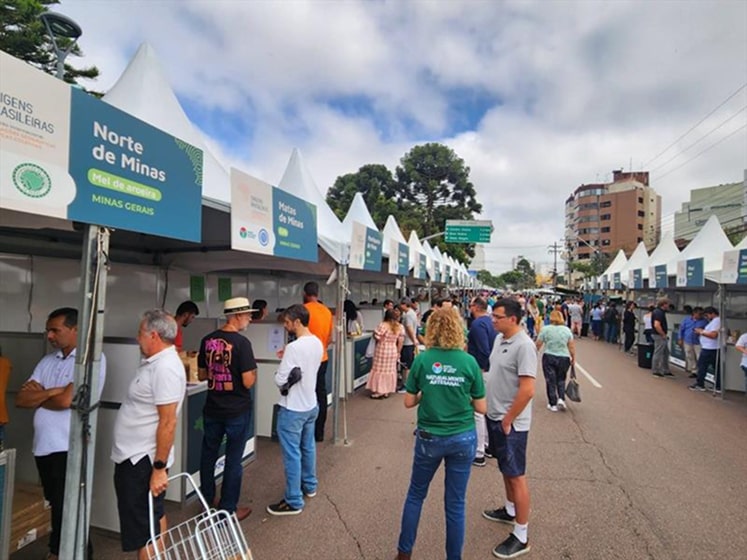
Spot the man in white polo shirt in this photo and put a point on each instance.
(144, 431)
(50, 391)
(709, 346)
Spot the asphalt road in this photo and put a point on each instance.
(641, 469)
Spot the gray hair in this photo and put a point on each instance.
(160, 322)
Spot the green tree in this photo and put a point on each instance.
(528, 277)
(434, 182)
(23, 35)
(511, 279)
(486, 277)
(372, 181)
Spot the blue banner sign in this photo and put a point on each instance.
(423, 266)
(638, 279)
(742, 267)
(270, 221)
(661, 276)
(403, 262)
(616, 281)
(66, 154)
(695, 272)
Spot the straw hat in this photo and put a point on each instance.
(237, 305)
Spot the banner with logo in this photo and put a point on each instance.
(422, 263)
(616, 281)
(65, 154)
(637, 278)
(660, 273)
(270, 221)
(365, 248)
(399, 258)
(734, 268)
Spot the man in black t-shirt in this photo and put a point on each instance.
(226, 361)
(660, 359)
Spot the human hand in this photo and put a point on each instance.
(280, 353)
(159, 481)
(32, 385)
(506, 427)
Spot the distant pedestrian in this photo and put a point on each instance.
(612, 322)
(660, 359)
(389, 336)
(576, 314)
(648, 325)
(688, 340)
(629, 326)
(596, 320)
(480, 341)
(321, 325)
(409, 345)
(510, 388)
(185, 314)
(710, 344)
(741, 346)
(559, 356)
(447, 384)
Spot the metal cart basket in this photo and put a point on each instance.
(210, 535)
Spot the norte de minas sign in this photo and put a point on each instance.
(65, 154)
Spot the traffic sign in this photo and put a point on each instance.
(468, 231)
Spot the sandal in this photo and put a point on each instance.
(376, 396)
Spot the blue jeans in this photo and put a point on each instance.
(236, 431)
(611, 332)
(457, 452)
(296, 435)
(708, 358)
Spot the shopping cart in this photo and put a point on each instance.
(210, 535)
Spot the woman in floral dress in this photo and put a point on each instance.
(389, 335)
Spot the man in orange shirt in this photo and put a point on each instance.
(185, 313)
(320, 325)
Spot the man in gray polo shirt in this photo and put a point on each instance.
(509, 391)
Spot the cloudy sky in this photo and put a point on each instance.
(538, 97)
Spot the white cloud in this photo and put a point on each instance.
(582, 88)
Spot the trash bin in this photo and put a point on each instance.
(645, 355)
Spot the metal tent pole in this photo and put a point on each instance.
(80, 457)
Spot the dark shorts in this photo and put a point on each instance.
(510, 450)
(132, 483)
(407, 355)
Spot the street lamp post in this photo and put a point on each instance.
(61, 26)
(94, 264)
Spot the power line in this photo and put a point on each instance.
(678, 154)
(740, 88)
(660, 177)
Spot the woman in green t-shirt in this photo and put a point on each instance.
(559, 355)
(447, 384)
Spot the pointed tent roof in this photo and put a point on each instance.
(616, 265)
(144, 92)
(430, 257)
(638, 259)
(358, 212)
(392, 232)
(416, 248)
(742, 244)
(297, 181)
(710, 244)
(665, 252)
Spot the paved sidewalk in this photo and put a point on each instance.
(632, 472)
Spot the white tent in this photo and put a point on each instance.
(710, 244)
(144, 92)
(665, 252)
(638, 259)
(430, 257)
(393, 233)
(416, 249)
(298, 181)
(616, 265)
(358, 212)
(439, 258)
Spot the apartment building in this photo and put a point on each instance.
(727, 202)
(607, 217)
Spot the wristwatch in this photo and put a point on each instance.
(159, 465)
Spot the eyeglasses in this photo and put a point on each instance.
(497, 317)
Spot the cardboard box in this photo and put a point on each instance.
(189, 359)
(31, 516)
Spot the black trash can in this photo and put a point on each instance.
(645, 355)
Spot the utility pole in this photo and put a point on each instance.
(555, 249)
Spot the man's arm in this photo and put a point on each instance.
(522, 398)
(248, 378)
(658, 328)
(33, 395)
(61, 401)
(412, 400)
(480, 405)
(164, 441)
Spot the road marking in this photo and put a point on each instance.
(588, 376)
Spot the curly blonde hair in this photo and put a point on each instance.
(444, 330)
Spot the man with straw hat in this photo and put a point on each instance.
(226, 361)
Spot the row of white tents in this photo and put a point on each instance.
(144, 92)
(709, 244)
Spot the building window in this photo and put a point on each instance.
(641, 213)
(606, 242)
(605, 230)
(606, 204)
(606, 216)
(640, 226)
(640, 200)
(640, 239)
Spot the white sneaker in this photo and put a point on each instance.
(552, 408)
(561, 404)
